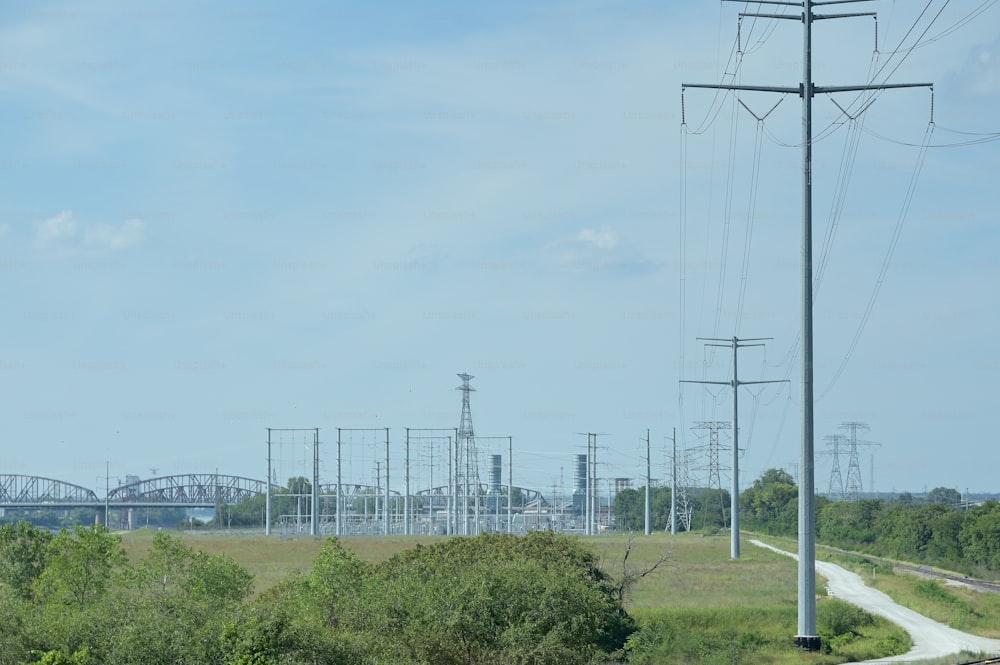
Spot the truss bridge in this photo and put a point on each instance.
(192, 490)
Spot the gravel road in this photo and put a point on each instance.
(930, 638)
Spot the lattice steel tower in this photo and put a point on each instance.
(836, 487)
(714, 479)
(466, 457)
(854, 485)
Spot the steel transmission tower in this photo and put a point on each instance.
(680, 507)
(806, 637)
(855, 487)
(836, 487)
(466, 457)
(714, 480)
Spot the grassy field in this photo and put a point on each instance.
(698, 606)
(271, 558)
(771, 576)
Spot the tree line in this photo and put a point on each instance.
(934, 530)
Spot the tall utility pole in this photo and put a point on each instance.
(510, 484)
(339, 516)
(592, 498)
(385, 510)
(673, 485)
(734, 498)
(807, 637)
(592, 485)
(267, 493)
(406, 484)
(648, 513)
(314, 523)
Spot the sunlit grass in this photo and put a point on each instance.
(272, 558)
(698, 571)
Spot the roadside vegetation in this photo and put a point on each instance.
(962, 608)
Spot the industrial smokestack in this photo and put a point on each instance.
(580, 485)
(580, 477)
(495, 473)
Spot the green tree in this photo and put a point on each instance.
(23, 550)
(944, 545)
(848, 524)
(179, 602)
(629, 507)
(711, 508)
(903, 533)
(980, 535)
(771, 503)
(249, 512)
(309, 619)
(81, 565)
(944, 495)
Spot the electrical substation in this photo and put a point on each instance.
(430, 481)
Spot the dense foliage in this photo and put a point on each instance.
(933, 531)
(76, 598)
(540, 598)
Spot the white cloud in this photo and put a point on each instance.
(602, 239)
(987, 74)
(64, 232)
(114, 238)
(56, 230)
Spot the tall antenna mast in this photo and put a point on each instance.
(807, 637)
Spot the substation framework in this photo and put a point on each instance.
(460, 504)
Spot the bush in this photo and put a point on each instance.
(837, 618)
(540, 599)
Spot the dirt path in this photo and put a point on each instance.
(930, 638)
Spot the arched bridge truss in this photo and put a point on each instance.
(355, 489)
(193, 489)
(17, 489)
(530, 497)
(189, 490)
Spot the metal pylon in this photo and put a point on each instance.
(836, 487)
(466, 458)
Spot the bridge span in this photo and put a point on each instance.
(193, 490)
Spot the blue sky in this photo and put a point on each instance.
(223, 217)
